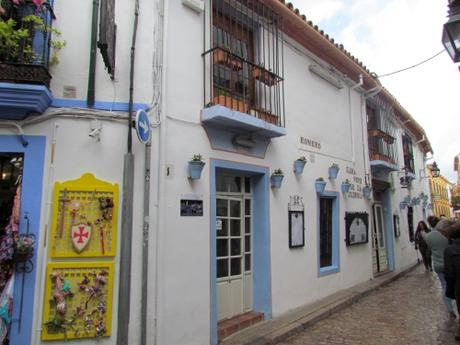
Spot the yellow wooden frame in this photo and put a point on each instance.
(73, 266)
(87, 185)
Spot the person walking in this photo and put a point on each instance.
(420, 244)
(452, 268)
(437, 242)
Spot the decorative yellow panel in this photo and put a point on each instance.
(78, 300)
(84, 222)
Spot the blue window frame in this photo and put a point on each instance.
(328, 233)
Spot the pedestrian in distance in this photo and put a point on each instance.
(437, 242)
(420, 244)
(452, 268)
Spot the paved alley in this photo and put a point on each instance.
(407, 311)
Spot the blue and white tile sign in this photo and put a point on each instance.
(143, 128)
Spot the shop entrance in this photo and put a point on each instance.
(11, 165)
(233, 245)
(379, 252)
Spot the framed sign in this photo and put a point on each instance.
(191, 208)
(357, 228)
(296, 229)
(396, 225)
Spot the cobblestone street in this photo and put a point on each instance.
(407, 311)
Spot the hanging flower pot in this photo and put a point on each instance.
(277, 178)
(195, 166)
(407, 199)
(299, 164)
(367, 192)
(402, 205)
(320, 185)
(333, 171)
(24, 248)
(345, 186)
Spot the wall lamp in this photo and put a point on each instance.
(451, 31)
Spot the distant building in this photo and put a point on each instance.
(440, 191)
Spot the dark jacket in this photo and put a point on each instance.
(452, 268)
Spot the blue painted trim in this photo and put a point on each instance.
(389, 230)
(115, 106)
(378, 164)
(335, 267)
(18, 100)
(32, 182)
(261, 238)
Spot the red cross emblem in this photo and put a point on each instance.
(81, 234)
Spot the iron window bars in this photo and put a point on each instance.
(244, 62)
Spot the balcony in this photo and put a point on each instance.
(382, 153)
(244, 96)
(24, 56)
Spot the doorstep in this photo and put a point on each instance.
(294, 321)
(237, 323)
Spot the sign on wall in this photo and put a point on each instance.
(296, 222)
(78, 300)
(356, 227)
(84, 218)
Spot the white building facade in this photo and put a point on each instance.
(251, 88)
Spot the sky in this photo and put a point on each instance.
(389, 35)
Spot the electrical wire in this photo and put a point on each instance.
(407, 68)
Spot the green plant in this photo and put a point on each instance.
(347, 181)
(16, 39)
(319, 179)
(278, 172)
(335, 165)
(196, 158)
(302, 158)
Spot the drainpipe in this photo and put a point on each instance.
(360, 83)
(124, 292)
(92, 56)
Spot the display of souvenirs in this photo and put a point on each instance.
(78, 300)
(84, 220)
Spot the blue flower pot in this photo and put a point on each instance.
(333, 172)
(367, 192)
(194, 169)
(402, 205)
(345, 187)
(276, 180)
(407, 199)
(298, 166)
(320, 186)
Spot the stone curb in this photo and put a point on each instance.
(274, 331)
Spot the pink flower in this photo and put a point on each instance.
(38, 3)
(16, 2)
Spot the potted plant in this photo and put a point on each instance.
(264, 76)
(333, 171)
(24, 248)
(299, 164)
(277, 178)
(402, 205)
(320, 185)
(266, 115)
(222, 57)
(25, 33)
(346, 186)
(195, 166)
(367, 191)
(224, 98)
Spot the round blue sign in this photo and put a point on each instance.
(143, 129)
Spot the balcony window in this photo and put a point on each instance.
(381, 131)
(246, 60)
(408, 154)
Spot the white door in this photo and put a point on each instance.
(380, 259)
(233, 254)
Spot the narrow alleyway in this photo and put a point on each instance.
(407, 311)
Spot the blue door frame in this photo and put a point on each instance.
(261, 238)
(31, 198)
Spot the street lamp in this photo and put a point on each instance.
(435, 172)
(451, 31)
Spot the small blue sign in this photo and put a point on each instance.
(143, 128)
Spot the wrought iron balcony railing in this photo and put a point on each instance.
(25, 41)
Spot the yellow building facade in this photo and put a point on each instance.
(439, 187)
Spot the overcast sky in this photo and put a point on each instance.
(389, 35)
